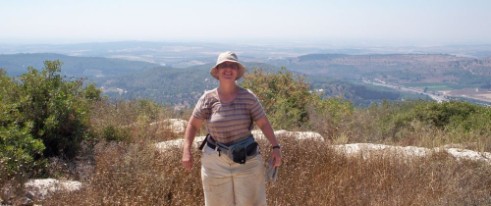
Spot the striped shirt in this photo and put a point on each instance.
(229, 122)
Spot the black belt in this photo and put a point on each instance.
(239, 155)
(210, 142)
(207, 140)
(211, 145)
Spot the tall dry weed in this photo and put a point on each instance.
(312, 174)
(136, 174)
(133, 173)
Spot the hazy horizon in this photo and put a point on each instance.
(339, 23)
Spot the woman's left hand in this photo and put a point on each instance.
(276, 156)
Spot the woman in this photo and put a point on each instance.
(232, 170)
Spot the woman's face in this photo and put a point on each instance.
(228, 71)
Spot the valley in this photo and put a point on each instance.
(174, 73)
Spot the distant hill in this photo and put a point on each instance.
(90, 67)
(453, 71)
(339, 75)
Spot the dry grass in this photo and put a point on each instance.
(312, 174)
(135, 174)
(132, 172)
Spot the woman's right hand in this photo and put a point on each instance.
(187, 156)
(187, 160)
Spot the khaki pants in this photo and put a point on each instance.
(228, 183)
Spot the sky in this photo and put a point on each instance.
(398, 22)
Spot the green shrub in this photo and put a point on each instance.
(456, 122)
(329, 116)
(445, 114)
(57, 108)
(283, 95)
(112, 133)
(41, 115)
(19, 150)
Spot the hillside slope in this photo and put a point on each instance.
(397, 68)
(90, 67)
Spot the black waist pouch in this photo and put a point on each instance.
(240, 153)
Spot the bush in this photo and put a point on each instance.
(129, 121)
(329, 116)
(290, 104)
(112, 133)
(284, 96)
(447, 116)
(423, 123)
(19, 150)
(462, 116)
(42, 115)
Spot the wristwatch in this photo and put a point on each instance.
(276, 146)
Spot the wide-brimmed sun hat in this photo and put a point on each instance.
(227, 56)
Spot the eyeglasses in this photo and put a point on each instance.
(231, 65)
